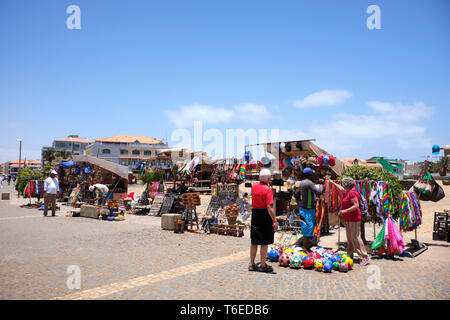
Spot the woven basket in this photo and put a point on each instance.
(232, 219)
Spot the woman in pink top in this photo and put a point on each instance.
(352, 219)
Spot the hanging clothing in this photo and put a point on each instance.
(410, 211)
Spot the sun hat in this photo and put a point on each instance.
(332, 161)
(319, 160)
(266, 162)
(288, 147)
(311, 160)
(308, 171)
(326, 161)
(53, 172)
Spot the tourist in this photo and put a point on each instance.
(308, 192)
(264, 222)
(100, 191)
(352, 219)
(51, 188)
(9, 179)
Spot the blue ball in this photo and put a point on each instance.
(327, 267)
(274, 255)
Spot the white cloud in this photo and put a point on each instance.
(186, 115)
(323, 98)
(253, 113)
(388, 124)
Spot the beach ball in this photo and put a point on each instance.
(279, 249)
(304, 257)
(297, 249)
(315, 255)
(289, 250)
(344, 255)
(327, 267)
(308, 263)
(274, 255)
(320, 250)
(284, 259)
(318, 266)
(343, 267)
(335, 265)
(348, 261)
(295, 262)
(303, 253)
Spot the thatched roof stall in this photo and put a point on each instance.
(106, 172)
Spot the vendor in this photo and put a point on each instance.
(100, 191)
(308, 192)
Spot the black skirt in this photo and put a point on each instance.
(261, 230)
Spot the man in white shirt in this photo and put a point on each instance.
(51, 188)
(100, 192)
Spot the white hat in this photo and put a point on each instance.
(53, 172)
(91, 188)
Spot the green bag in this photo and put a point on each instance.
(379, 240)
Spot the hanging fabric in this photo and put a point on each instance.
(410, 211)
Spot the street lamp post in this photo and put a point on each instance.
(18, 171)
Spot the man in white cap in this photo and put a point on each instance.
(100, 191)
(264, 222)
(51, 189)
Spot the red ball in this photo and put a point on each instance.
(315, 255)
(308, 263)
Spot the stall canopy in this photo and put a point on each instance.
(121, 171)
(67, 164)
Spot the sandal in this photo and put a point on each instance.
(266, 269)
(252, 267)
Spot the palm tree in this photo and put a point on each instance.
(63, 154)
(49, 155)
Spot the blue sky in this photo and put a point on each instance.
(311, 69)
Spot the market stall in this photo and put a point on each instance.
(286, 160)
(76, 176)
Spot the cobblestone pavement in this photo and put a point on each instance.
(135, 259)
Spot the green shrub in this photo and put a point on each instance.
(150, 176)
(24, 175)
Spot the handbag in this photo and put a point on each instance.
(438, 192)
(424, 187)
